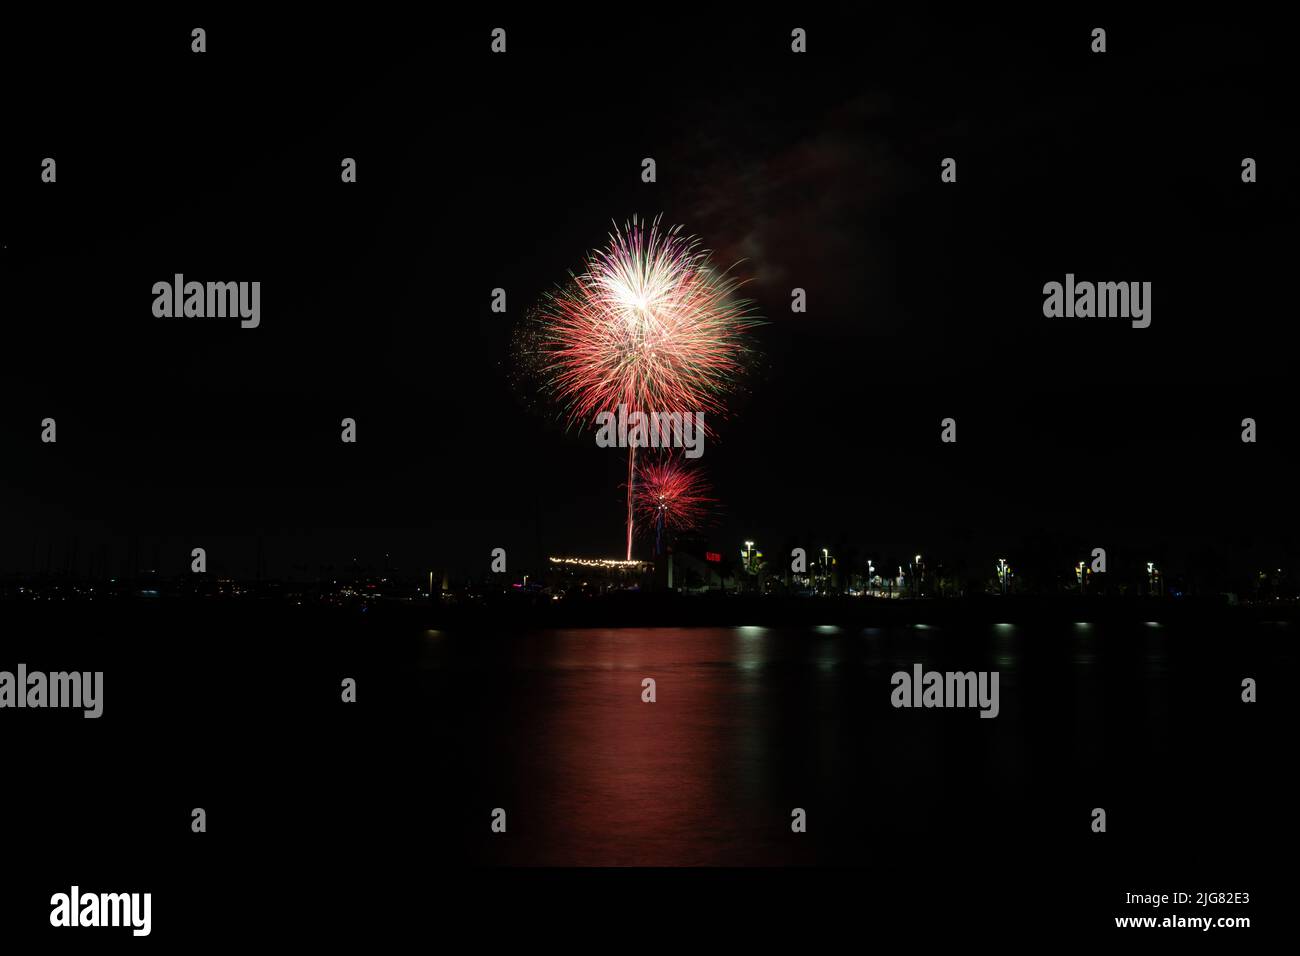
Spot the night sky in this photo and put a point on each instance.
(478, 171)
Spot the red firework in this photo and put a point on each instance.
(670, 496)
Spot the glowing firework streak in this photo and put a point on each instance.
(648, 323)
(671, 497)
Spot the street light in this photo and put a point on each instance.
(1003, 569)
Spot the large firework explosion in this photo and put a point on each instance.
(649, 324)
(669, 496)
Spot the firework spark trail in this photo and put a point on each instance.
(631, 482)
(670, 497)
(649, 324)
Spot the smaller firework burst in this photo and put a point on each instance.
(670, 496)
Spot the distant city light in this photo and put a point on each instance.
(602, 563)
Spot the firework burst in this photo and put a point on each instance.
(648, 323)
(670, 497)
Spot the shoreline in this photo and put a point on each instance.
(662, 610)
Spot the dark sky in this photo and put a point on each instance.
(819, 171)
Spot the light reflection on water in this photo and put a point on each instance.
(750, 722)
